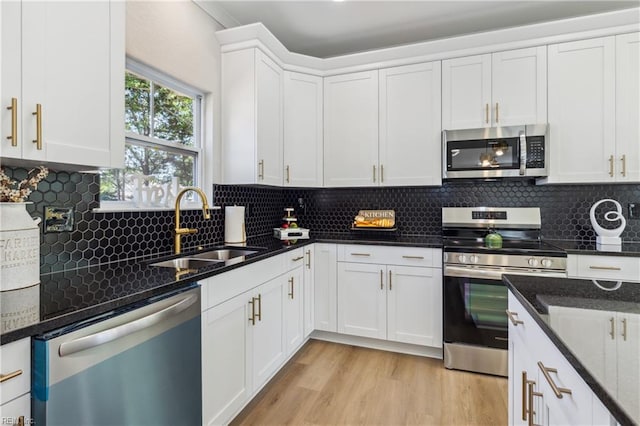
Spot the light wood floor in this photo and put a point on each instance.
(331, 384)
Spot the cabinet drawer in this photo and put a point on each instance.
(293, 259)
(523, 326)
(608, 267)
(15, 360)
(384, 255)
(17, 411)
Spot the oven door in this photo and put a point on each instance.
(474, 308)
(482, 158)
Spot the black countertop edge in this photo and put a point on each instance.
(513, 282)
(588, 247)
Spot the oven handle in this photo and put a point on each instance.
(495, 273)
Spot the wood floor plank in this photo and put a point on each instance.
(333, 384)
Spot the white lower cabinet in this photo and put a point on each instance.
(15, 369)
(610, 267)
(325, 297)
(542, 382)
(308, 280)
(294, 304)
(392, 302)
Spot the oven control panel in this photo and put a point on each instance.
(507, 261)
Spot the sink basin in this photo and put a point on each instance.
(222, 254)
(186, 263)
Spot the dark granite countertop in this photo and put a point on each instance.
(537, 294)
(75, 295)
(629, 249)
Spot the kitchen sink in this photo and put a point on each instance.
(186, 263)
(222, 254)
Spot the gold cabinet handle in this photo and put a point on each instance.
(624, 329)
(259, 307)
(261, 169)
(512, 317)
(252, 318)
(21, 421)
(14, 122)
(497, 113)
(381, 278)
(413, 257)
(288, 174)
(295, 259)
(612, 330)
(611, 166)
(390, 285)
(556, 390)
(374, 172)
(532, 393)
(291, 287)
(606, 268)
(624, 166)
(524, 395)
(5, 377)
(309, 259)
(360, 254)
(38, 139)
(381, 172)
(486, 113)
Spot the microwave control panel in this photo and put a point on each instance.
(535, 152)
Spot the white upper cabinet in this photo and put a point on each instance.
(409, 122)
(582, 111)
(499, 89)
(251, 118)
(351, 129)
(63, 70)
(302, 130)
(627, 157)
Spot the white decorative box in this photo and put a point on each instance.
(291, 233)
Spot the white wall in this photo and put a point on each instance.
(178, 38)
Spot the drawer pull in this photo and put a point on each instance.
(612, 331)
(5, 377)
(413, 257)
(512, 317)
(624, 329)
(545, 371)
(295, 259)
(606, 268)
(360, 254)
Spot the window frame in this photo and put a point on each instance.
(197, 149)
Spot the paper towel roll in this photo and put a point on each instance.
(234, 231)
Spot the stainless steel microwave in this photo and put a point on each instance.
(496, 152)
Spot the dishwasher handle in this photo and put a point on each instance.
(105, 336)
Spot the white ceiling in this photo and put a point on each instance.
(331, 28)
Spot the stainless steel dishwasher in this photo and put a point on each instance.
(137, 365)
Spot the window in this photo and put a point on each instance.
(163, 142)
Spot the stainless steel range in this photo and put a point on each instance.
(474, 297)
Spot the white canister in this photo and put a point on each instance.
(234, 228)
(19, 247)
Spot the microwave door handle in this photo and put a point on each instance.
(523, 153)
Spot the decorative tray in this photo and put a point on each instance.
(375, 220)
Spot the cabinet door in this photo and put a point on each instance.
(17, 412)
(293, 310)
(226, 342)
(269, 120)
(582, 111)
(414, 305)
(362, 300)
(410, 125)
(302, 130)
(351, 129)
(523, 384)
(519, 86)
(466, 92)
(10, 79)
(325, 289)
(268, 350)
(628, 347)
(628, 107)
(73, 66)
(309, 289)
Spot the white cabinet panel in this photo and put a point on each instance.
(466, 92)
(604, 267)
(351, 129)
(628, 347)
(362, 300)
(325, 297)
(409, 121)
(627, 108)
(293, 310)
(302, 130)
(17, 412)
(582, 111)
(309, 289)
(15, 360)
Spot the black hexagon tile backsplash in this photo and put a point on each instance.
(107, 237)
